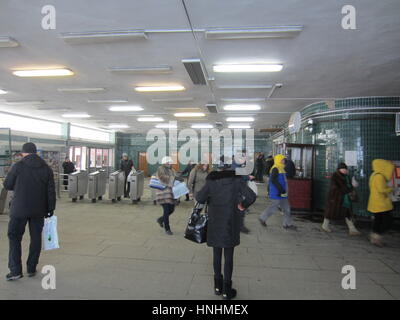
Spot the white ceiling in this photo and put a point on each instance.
(324, 61)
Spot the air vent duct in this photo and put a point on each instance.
(212, 107)
(195, 71)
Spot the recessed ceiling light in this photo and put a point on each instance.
(189, 114)
(43, 73)
(241, 107)
(239, 126)
(125, 108)
(81, 90)
(3, 91)
(118, 126)
(202, 126)
(166, 126)
(247, 68)
(154, 69)
(150, 119)
(75, 115)
(240, 119)
(160, 88)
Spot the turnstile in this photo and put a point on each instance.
(136, 180)
(77, 185)
(116, 186)
(97, 185)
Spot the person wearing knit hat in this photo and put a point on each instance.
(340, 198)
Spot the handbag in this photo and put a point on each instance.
(179, 189)
(156, 184)
(196, 229)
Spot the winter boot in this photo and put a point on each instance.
(228, 292)
(352, 229)
(325, 225)
(376, 240)
(218, 283)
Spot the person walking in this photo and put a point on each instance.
(186, 173)
(380, 202)
(197, 179)
(290, 169)
(278, 194)
(260, 164)
(340, 198)
(126, 166)
(68, 167)
(166, 174)
(226, 194)
(32, 182)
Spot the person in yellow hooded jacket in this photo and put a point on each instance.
(278, 194)
(380, 202)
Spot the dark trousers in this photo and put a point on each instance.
(127, 187)
(16, 230)
(168, 209)
(382, 222)
(228, 266)
(259, 174)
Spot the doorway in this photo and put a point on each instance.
(143, 165)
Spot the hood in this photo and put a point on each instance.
(383, 167)
(33, 161)
(277, 163)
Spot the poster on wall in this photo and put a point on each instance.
(350, 158)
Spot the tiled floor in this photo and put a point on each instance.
(117, 251)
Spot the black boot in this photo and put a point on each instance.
(218, 283)
(228, 292)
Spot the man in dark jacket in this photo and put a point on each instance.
(186, 173)
(68, 167)
(290, 169)
(227, 194)
(260, 164)
(34, 198)
(126, 166)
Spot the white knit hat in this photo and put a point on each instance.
(166, 160)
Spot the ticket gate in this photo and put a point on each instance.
(136, 179)
(116, 186)
(77, 185)
(97, 182)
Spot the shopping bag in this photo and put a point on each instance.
(179, 189)
(252, 185)
(50, 236)
(196, 229)
(156, 184)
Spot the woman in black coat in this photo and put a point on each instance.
(226, 194)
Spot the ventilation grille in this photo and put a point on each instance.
(195, 71)
(212, 108)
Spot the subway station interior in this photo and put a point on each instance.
(101, 86)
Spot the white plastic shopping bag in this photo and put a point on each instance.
(252, 185)
(179, 189)
(50, 236)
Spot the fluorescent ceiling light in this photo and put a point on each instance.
(8, 42)
(81, 90)
(254, 33)
(239, 126)
(118, 126)
(125, 108)
(103, 36)
(150, 119)
(267, 86)
(240, 119)
(159, 88)
(202, 126)
(107, 101)
(166, 126)
(151, 70)
(189, 114)
(75, 115)
(173, 100)
(3, 91)
(52, 109)
(182, 109)
(24, 102)
(43, 73)
(241, 107)
(243, 99)
(247, 68)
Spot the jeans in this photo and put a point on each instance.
(16, 230)
(284, 205)
(228, 266)
(382, 222)
(168, 209)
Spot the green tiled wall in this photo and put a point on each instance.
(370, 132)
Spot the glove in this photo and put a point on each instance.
(284, 195)
(50, 214)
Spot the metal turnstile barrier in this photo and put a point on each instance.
(116, 186)
(136, 180)
(77, 185)
(97, 185)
